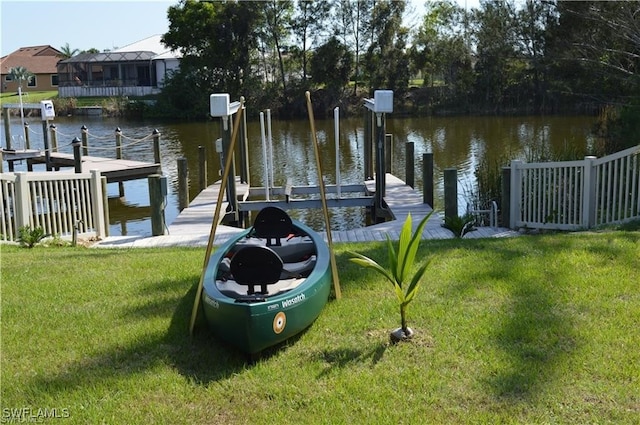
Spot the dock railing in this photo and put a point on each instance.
(574, 195)
(60, 203)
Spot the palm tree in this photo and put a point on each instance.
(20, 74)
(66, 52)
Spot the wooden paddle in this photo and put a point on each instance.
(216, 217)
(334, 267)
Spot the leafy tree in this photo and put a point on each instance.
(602, 40)
(534, 25)
(495, 40)
(216, 40)
(331, 65)
(386, 62)
(277, 21)
(308, 24)
(440, 49)
(352, 24)
(598, 49)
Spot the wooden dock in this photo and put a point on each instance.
(193, 224)
(115, 170)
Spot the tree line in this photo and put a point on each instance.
(543, 56)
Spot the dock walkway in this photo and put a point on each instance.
(193, 224)
(115, 170)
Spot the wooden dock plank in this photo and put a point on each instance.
(115, 170)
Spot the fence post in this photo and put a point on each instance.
(97, 203)
(23, 201)
(85, 140)
(589, 193)
(450, 192)
(183, 183)
(77, 156)
(515, 205)
(157, 194)
(156, 146)
(105, 204)
(505, 204)
(409, 165)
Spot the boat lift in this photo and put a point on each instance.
(289, 196)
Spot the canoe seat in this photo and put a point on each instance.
(255, 265)
(272, 223)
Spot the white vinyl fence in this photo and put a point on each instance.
(574, 195)
(55, 201)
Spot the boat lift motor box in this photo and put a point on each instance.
(47, 111)
(219, 105)
(383, 101)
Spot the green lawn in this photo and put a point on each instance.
(27, 97)
(36, 97)
(534, 329)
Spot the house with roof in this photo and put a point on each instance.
(41, 61)
(138, 69)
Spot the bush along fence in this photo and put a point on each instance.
(574, 195)
(62, 204)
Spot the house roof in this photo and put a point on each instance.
(151, 44)
(36, 59)
(110, 57)
(149, 48)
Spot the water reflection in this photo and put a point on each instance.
(460, 142)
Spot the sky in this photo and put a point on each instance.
(103, 25)
(83, 24)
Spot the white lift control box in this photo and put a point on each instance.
(46, 108)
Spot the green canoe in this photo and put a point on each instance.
(266, 284)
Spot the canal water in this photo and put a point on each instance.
(459, 142)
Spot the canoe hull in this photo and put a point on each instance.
(253, 327)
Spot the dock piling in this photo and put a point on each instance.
(77, 155)
(388, 150)
(450, 192)
(427, 179)
(85, 140)
(119, 156)
(410, 171)
(183, 183)
(157, 195)
(27, 136)
(202, 168)
(54, 138)
(156, 146)
(47, 148)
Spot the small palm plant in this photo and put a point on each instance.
(398, 273)
(30, 237)
(460, 225)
